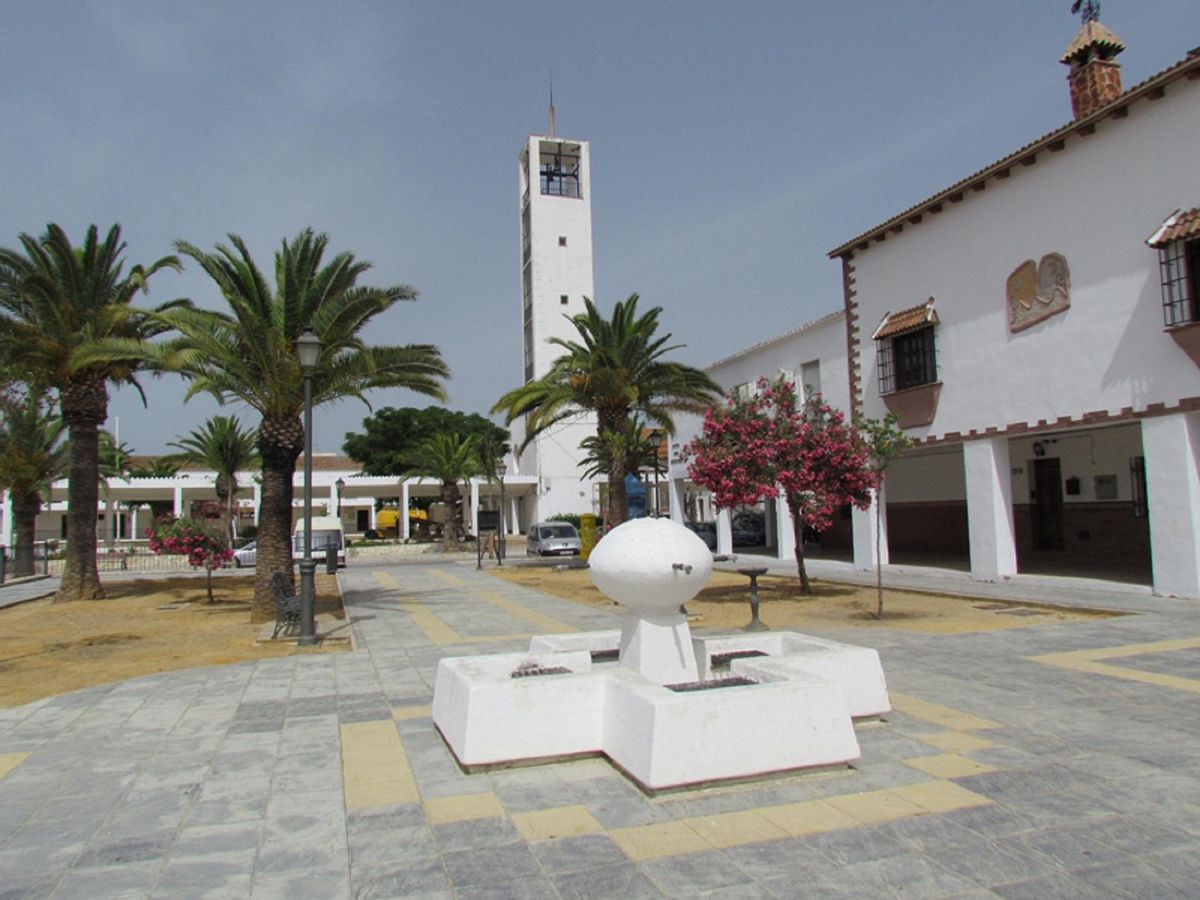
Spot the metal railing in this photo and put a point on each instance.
(49, 558)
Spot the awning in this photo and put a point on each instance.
(1179, 226)
(906, 320)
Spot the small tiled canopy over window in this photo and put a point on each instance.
(905, 349)
(1178, 244)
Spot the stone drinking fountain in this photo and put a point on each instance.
(649, 696)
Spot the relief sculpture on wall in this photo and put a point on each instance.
(1037, 292)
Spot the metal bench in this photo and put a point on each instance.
(287, 605)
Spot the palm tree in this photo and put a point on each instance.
(32, 457)
(451, 459)
(222, 445)
(615, 369)
(58, 303)
(249, 354)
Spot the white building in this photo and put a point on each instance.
(556, 274)
(1035, 327)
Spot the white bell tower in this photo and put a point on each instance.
(556, 274)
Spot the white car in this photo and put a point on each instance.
(245, 556)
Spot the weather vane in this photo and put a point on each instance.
(1090, 8)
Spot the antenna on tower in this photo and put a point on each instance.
(552, 103)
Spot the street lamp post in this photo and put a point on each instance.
(340, 484)
(308, 351)
(656, 440)
(501, 470)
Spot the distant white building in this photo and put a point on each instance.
(556, 274)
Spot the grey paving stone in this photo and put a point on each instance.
(536, 888)
(388, 847)
(564, 856)
(913, 875)
(623, 812)
(786, 858)
(854, 845)
(203, 840)
(142, 848)
(325, 885)
(484, 865)
(400, 816)
(626, 881)
(989, 864)
(1070, 849)
(124, 882)
(208, 877)
(475, 833)
(1061, 887)
(694, 873)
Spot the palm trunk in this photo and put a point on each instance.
(451, 496)
(613, 422)
(798, 536)
(618, 502)
(25, 512)
(84, 407)
(224, 503)
(279, 442)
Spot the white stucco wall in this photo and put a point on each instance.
(1095, 202)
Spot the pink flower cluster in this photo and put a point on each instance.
(771, 444)
(203, 546)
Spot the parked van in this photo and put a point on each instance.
(327, 531)
(552, 539)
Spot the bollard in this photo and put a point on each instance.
(331, 559)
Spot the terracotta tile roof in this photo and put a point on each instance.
(1092, 34)
(1179, 225)
(906, 320)
(1084, 125)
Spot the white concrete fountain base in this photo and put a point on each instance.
(792, 718)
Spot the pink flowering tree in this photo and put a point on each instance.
(202, 544)
(770, 446)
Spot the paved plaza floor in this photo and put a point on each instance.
(1058, 760)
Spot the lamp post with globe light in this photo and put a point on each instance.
(308, 352)
(656, 442)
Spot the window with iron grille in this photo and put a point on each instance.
(906, 360)
(1179, 269)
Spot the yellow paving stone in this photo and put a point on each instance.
(808, 817)
(403, 713)
(375, 770)
(643, 842)
(940, 796)
(736, 828)
(1090, 661)
(463, 808)
(544, 623)
(954, 719)
(949, 765)
(955, 741)
(366, 794)
(9, 761)
(873, 807)
(562, 821)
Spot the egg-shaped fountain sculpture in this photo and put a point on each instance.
(652, 567)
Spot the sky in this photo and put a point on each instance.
(733, 145)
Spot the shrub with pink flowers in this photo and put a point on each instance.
(203, 545)
(771, 445)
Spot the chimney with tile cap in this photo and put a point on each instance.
(1095, 79)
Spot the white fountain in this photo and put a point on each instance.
(661, 713)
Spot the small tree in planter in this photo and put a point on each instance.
(203, 545)
(771, 445)
(886, 442)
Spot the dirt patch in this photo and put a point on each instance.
(725, 604)
(142, 627)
